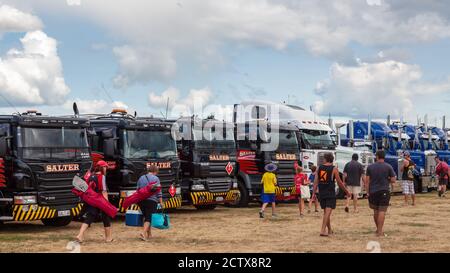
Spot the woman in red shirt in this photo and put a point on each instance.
(302, 188)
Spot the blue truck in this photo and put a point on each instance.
(422, 147)
(382, 136)
(442, 148)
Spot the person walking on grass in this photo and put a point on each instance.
(442, 171)
(325, 179)
(302, 186)
(98, 180)
(353, 173)
(407, 168)
(314, 195)
(269, 181)
(150, 205)
(379, 176)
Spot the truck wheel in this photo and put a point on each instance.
(243, 198)
(57, 222)
(206, 207)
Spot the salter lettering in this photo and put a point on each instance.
(216, 157)
(285, 157)
(55, 168)
(160, 165)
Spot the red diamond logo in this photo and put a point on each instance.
(229, 168)
(172, 190)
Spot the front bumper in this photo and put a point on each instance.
(171, 203)
(285, 193)
(36, 212)
(210, 198)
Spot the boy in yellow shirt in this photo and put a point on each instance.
(269, 181)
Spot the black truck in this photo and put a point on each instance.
(129, 144)
(256, 147)
(39, 156)
(207, 151)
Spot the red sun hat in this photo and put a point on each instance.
(101, 164)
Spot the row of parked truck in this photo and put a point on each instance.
(202, 162)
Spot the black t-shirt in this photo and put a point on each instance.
(326, 182)
(354, 171)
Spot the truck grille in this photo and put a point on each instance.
(217, 169)
(167, 179)
(219, 185)
(54, 189)
(285, 174)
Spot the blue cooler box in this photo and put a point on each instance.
(134, 218)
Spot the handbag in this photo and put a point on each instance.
(305, 193)
(160, 220)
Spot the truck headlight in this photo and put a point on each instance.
(235, 185)
(204, 163)
(125, 194)
(197, 187)
(25, 200)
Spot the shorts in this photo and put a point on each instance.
(328, 203)
(355, 190)
(268, 197)
(408, 187)
(443, 181)
(148, 207)
(379, 200)
(93, 213)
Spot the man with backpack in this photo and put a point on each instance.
(407, 168)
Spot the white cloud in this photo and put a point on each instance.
(194, 102)
(387, 87)
(33, 75)
(142, 64)
(14, 20)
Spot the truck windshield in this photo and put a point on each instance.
(317, 139)
(148, 144)
(434, 144)
(207, 138)
(52, 143)
(288, 139)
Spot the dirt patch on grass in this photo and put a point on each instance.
(409, 229)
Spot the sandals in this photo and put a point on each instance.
(78, 241)
(142, 237)
(112, 240)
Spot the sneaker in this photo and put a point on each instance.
(261, 214)
(346, 209)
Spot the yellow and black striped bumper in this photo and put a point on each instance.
(171, 203)
(35, 212)
(280, 193)
(205, 198)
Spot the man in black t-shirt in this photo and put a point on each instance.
(379, 177)
(325, 181)
(353, 173)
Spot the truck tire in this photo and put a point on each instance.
(243, 199)
(205, 207)
(57, 222)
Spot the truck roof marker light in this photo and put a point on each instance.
(119, 111)
(45, 121)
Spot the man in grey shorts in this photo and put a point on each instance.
(353, 172)
(379, 176)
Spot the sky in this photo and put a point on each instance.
(349, 59)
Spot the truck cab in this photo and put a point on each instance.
(442, 144)
(39, 156)
(422, 150)
(129, 144)
(207, 151)
(254, 152)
